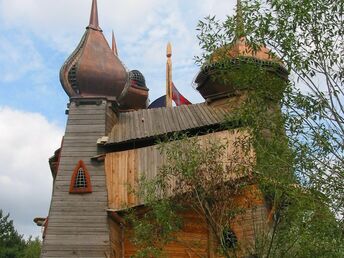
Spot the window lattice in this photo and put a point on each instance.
(80, 180)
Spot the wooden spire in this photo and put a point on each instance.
(114, 45)
(94, 22)
(169, 75)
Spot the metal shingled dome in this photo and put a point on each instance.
(137, 79)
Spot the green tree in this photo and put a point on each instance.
(308, 37)
(33, 248)
(12, 244)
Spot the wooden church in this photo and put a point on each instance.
(110, 142)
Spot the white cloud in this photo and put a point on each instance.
(27, 141)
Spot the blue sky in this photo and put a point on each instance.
(36, 37)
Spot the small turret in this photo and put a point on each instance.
(232, 57)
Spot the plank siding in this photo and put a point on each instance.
(78, 223)
(123, 169)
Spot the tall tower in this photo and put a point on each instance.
(98, 86)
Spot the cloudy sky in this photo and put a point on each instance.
(36, 37)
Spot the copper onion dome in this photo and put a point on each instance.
(93, 70)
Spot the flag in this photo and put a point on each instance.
(178, 98)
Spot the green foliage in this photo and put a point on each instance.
(306, 229)
(154, 226)
(303, 225)
(33, 248)
(308, 37)
(298, 140)
(12, 245)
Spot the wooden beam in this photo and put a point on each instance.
(169, 75)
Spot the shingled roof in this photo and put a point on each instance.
(149, 123)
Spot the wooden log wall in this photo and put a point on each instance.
(192, 240)
(78, 223)
(195, 239)
(124, 169)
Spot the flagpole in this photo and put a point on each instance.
(169, 75)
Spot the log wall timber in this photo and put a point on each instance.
(192, 240)
(195, 239)
(78, 223)
(117, 239)
(123, 169)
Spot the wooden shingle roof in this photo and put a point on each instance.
(148, 123)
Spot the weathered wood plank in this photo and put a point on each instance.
(100, 129)
(99, 183)
(79, 135)
(79, 222)
(148, 161)
(100, 112)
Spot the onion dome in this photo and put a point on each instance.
(94, 70)
(232, 57)
(136, 94)
(137, 79)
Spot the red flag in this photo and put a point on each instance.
(178, 98)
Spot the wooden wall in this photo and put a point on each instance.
(124, 169)
(195, 238)
(78, 223)
(192, 240)
(117, 239)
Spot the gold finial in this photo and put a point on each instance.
(169, 50)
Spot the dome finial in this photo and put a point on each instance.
(94, 23)
(240, 27)
(114, 45)
(169, 75)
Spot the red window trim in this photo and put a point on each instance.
(45, 225)
(87, 189)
